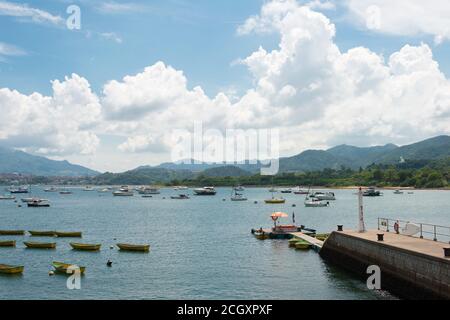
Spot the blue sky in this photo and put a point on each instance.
(199, 38)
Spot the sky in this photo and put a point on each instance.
(109, 92)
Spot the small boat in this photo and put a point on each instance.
(299, 190)
(177, 188)
(261, 235)
(315, 203)
(42, 233)
(134, 247)
(286, 191)
(322, 237)
(105, 190)
(236, 196)
(38, 203)
(62, 267)
(148, 190)
(85, 246)
(124, 191)
(75, 234)
(272, 190)
(180, 197)
(302, 245)
(398, 191)
(7, 197)
(51, 189)
(8, 243)
(12, 232)
(324, 195)
(88, 188)
(293, 242)
(371, 192)
(239, 188)
(275, 201)
(40, 245)
(205, 191)
(26, 200)
(147, 196)
(18, 190)
(7, 269)
(65, 192)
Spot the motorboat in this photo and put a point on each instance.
(398, 191)
(299, 190)
(37, 203)
(88, 188)
(239, 188)
(177, 188)
(148, 190)
(105, 190)
(124, 191)
(324, 195)
(236, 196)
(315, 203)
(51, 189)
(18, 190)
(205, 191)
(180, 197)
(286, 191)
(371, 192)
(65, 192)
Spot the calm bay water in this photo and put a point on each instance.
(200, 248)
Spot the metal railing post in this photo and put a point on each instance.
(378, 223)
(435, 237)
(421, 231)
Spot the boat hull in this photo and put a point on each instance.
(275, 201)
(7, 269)
(12, 232)
(40, 245)
(134, 247)
(61, 267)
(11, 243)
(85, 246)
(68, 234)
(42, 233)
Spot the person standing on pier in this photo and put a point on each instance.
(397, 227)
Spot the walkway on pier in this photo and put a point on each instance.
(315, 243)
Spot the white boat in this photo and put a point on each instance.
(7, 197)
(88, 188)
(18, 190)
(180, 197)
(272, 189)
(398, 191)
(236, 196)
(124, 191)
(205, 191)
(315, 203)
(177, 188)
(38, 203)
(65, 192)
(51, 189)
(105, 190)
(148, 190)
(324, 195)
(239, 188)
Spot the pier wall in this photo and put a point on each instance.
(405, 273)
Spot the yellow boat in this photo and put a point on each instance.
(7, 269)
(85, 246)
(8, 243)
(68, 234)
(293, 242)
(12, 232)
(40, 245)
(62, 267)
(302, 245)
(42, 233)
(134, 247)
(275, 201)
(322, 237)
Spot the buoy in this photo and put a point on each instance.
(111, 247)
(109, 263)
(294, 205)
(51, 273)
(256, 202)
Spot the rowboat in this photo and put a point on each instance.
(40, 245)
(12, 232)
(7, 269)
(293, 242)
(322, 237)
(62, 267)
(8, 243)
(85, 246)
(42, 233)
(302, 245)
(134, 247)
(68, 234)
(275, 201)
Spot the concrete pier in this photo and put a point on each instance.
(411, 268)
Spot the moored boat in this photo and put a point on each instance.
(7, 197)
(35, 233)
(40, 245)
(205, 191)
(398, 191)
(12, 232)
(8, 269)
(124, 191)
(286, 191)
(134, 247)
(148, 190)
(38, 203)
(18, 190)
(85, 246)
(371, 192)
(51, 189)
(275, 201)
(324, 195)
(315, 203)
(66, 268)
(65, 192)
(75, 234)
(180, 197)
(8, 243)
(302, 245)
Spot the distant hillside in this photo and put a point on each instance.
(430, 149)
(143, 175)
(361, 157)
(311, 160)
(228, 171)
(13, 161)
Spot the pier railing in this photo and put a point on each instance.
(427, 231)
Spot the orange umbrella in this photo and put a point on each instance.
(279, 215)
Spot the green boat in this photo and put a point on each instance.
(302, 245)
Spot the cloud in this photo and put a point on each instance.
(23, 11)
(112, 7)
(403, 17)
(111, 36)
(61, 124)
(8, 50)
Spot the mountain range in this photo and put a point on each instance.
(310, 160)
